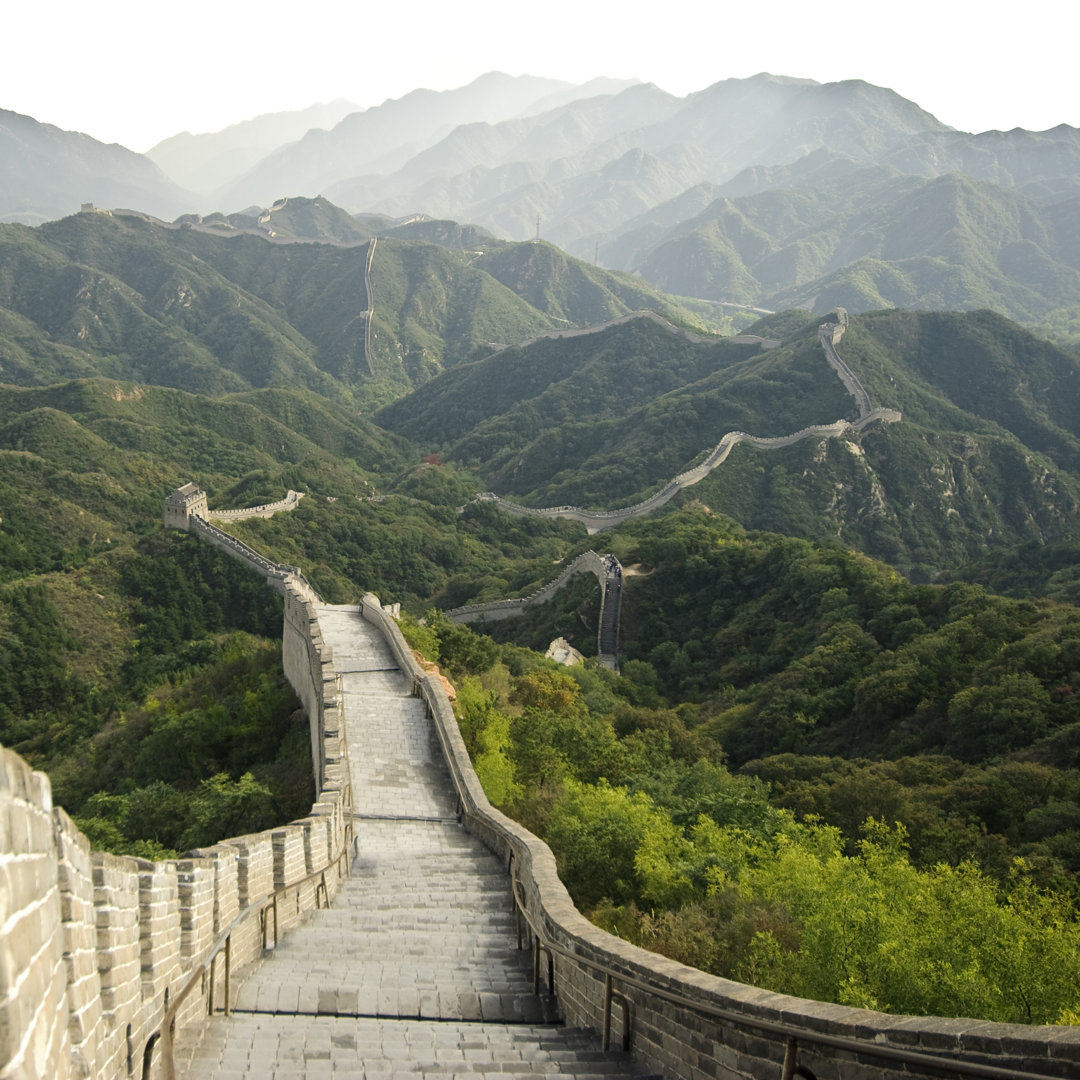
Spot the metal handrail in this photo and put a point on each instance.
(163, 1033)
(949, 1066)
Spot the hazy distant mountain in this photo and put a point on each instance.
(47, 173)
(1039, 163)
(384, 137)
(205, 162)
(866, 237)
(592, 165)
(766, 191)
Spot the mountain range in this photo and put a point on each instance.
(768, 191)
(396, 367)
(220, 306)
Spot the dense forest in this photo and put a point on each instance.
(179, 729)
(935, 873)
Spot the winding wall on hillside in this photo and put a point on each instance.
(608, 572)
(266, 510)
(597, 520)
(369, 313)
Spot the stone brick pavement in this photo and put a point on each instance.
(415, 968)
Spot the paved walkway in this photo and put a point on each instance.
(415, 968)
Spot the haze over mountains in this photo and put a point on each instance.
(768, 191)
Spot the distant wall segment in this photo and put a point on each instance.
(598, 520)
(187, 504)
(608, 572)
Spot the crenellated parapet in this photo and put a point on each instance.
(187, 506)
(265, 510)
(97, 949)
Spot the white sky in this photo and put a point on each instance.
(136, 71)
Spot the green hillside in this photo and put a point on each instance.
(216, 311)
(806, 617)
(984, 456)
(867, 239)
(597, 375)
(572, 291)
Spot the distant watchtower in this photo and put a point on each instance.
(182, 505)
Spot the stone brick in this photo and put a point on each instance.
(195, 888)
(159, 928)
(316, 852)
(255, 866)
(116, 904)
(289, 862)
(224, 862)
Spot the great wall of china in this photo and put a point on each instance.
(608, 573)
(107, 961)
(598, 520)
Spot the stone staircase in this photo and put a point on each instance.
(415, 968)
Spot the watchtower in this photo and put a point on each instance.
(183, 504)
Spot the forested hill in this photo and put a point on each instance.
(779, 655)
(985, 456)
(215, 311)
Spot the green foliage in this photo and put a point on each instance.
(223, 753)
(83, 694)
(674, 852)
(33, 676)
(573, 291)
(804, 647)
(132, 663)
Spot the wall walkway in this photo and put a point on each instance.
(416, 966)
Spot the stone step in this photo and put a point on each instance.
(303, 1048)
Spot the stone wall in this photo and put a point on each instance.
(494, 610)
(290, 502)
(731, 1030)
(598, 520)
(94, 946)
